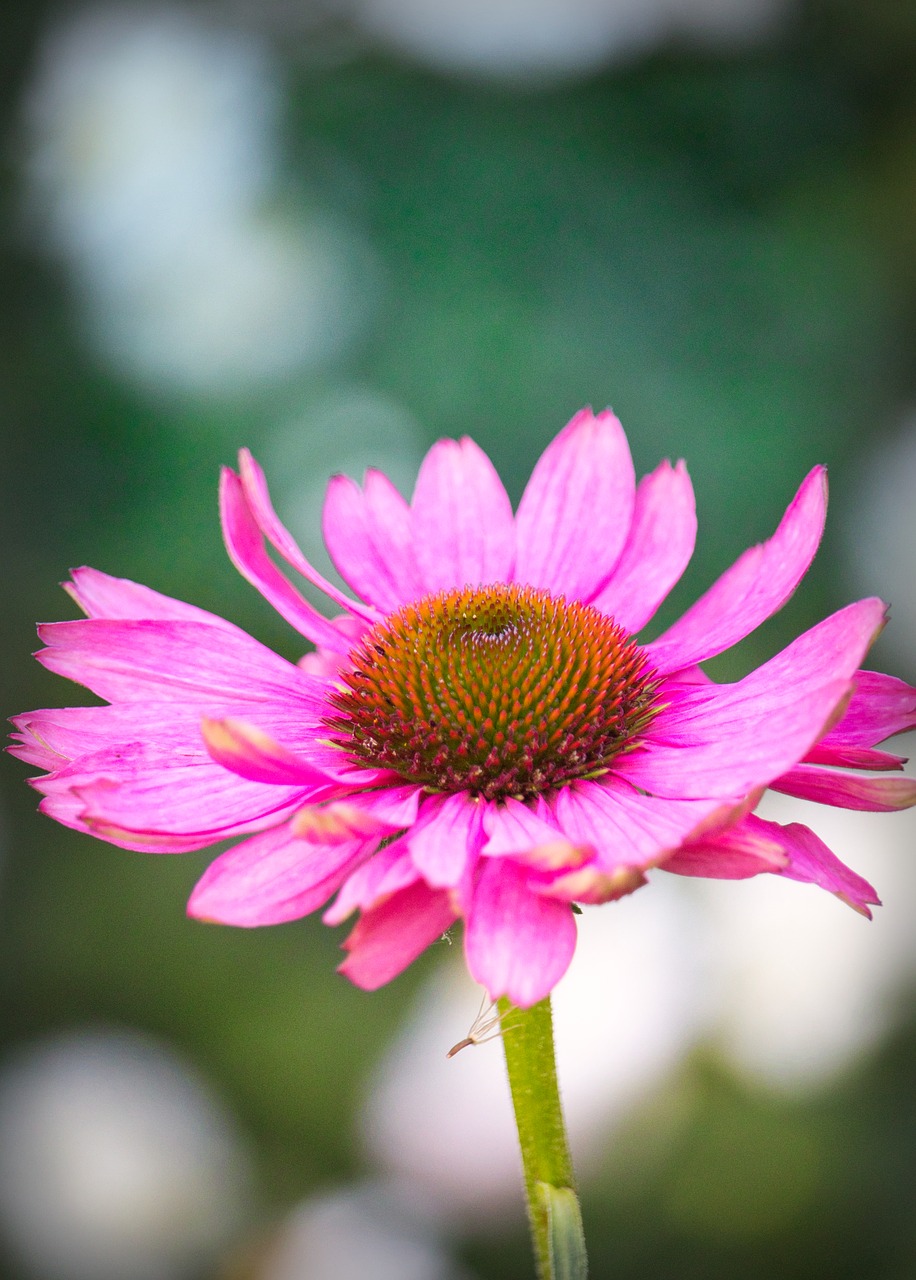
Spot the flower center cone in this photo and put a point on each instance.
(497, 691)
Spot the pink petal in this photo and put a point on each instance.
(734, 854)
(321, 662)
(515, 831)
(757, 584)
(384, 811)
(391, 935)
(67, 808)
(254, 487)
(255, 755)
(31, 753)
(854, 757)
(272, 878)
(880, 707)
(590, 885)
(386, 872)
(326, 663)
(71, 733)
(657, 551)
(29, 746)
(368, 536)
(178, 662)
(731, 739)
(625, 828)
(330, 759)
(246, 550)
(148, 780)
(575, 514)
(517, 943)
(811, 862)
(446, 838)
(334, 821)
(101, 596)
(463, 529)
(134, 792)
(847, 791)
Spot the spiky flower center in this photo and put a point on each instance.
(499, 691)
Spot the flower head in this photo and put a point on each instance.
(480, 734)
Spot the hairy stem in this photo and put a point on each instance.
(553, 1207)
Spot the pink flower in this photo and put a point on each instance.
(478, 735)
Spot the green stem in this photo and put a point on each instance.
(553, 1208)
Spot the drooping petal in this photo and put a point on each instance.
(733, 854)
(758, 583)
(368, 536)
(330, 759)
(813, 863)
(251, 753)
(515, 831)
(591, 885)
(446, 838)
(518, 943)
(254, 487)
(157, 749)
(464, 532)
(73, 733)
(625, 828)
(390, 936)
(179, 662)
(854, 758)
(136, 791)
(880, 707)
(389, 870)
(847, 790)
(575, 514)
(741, 744)
(31, 753)
(101, 596)
(67, 808)
(386, 810)
(272, 878)
(657, 551)
(731, 739)
(29, 746)
(67, 734)
(245, 545)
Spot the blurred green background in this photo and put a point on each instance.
(297, 228)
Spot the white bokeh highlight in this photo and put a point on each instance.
(116, 1162)
(554, 39)
(153, 167)
(355, 1232)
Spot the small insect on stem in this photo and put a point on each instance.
(486, 1026)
